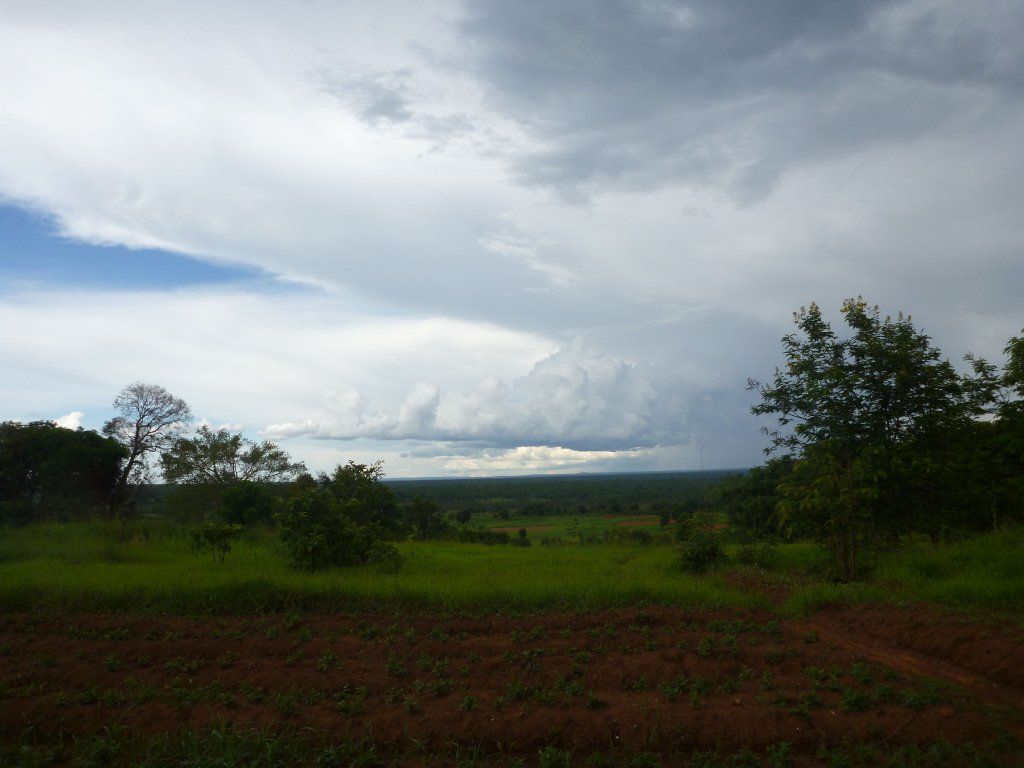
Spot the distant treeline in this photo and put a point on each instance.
(649, 492)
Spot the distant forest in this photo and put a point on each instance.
(611, 493)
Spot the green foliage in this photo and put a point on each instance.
(700, 547)
(366, 499)
(426, 519)
(48, 472)
(216, 537)
(871, 422)
(319, 534)
(216, 457)
(561, 495)
(750, 501)
(248, 503)
(521, 539)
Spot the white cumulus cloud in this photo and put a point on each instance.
(72, 420)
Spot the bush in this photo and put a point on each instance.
(216, 537)
(699, 547)
(319, 535)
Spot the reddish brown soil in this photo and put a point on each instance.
(983, 656)
(657, 678)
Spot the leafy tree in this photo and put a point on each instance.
(426, 519)
(219, 458)
(749, 501)
(361, 490)
(699, 546)
(319, 534)
(856, 415)
(463, 516)
(301, 484)
(991, 454)
(47, 471)
(149, 419)
(1011, 418)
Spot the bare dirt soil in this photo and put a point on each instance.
(646, 679)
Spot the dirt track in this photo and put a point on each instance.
(985, 660)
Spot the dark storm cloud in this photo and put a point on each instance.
(729, 92)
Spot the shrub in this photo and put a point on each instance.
(319, 535)
(699, 547)
(385, 556)
(216, 537)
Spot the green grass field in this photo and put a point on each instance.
(986, 572)
(86, 567)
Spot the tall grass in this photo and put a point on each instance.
(86, 567)
(984, 572)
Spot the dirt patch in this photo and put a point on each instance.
(659, 678)
(637, 523)
(514, 529)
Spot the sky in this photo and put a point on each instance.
(483, 238)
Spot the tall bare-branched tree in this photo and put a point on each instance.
(149, 420)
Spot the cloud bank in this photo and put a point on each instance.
(577, 398)
(504, 228)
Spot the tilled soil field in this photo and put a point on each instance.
(657, 680)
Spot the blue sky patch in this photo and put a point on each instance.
(31, 251)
